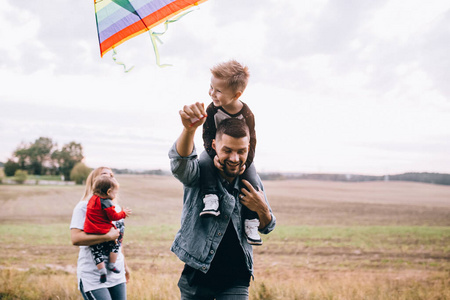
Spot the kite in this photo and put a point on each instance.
(121, 20)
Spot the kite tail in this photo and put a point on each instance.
(154, 36)
(120, 63)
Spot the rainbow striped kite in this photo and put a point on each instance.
(120, 20)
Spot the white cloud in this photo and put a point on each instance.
(345, 87)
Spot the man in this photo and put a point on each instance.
(218, 259)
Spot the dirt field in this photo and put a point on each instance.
(333, 240)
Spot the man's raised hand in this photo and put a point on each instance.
(193, 115)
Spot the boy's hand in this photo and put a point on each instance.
(242, 170)
(193, 116)
(217, 163)
(127, 211)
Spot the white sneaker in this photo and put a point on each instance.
(251, 231)
(211, 208)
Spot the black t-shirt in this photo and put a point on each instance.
(228, 267)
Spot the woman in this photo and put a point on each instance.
(87, 273)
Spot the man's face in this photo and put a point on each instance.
(232, 153)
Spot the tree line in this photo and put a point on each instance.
(43, 157)
(425, 177)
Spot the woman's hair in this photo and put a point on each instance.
(102, 184)
(235, 74)
(89, 189)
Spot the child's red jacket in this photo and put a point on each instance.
(99, 214)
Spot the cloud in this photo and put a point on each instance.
(435, 49)
(324, 75)
(58, 36)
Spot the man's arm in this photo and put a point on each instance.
(185, 143)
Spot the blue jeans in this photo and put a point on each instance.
(198, 292)
(117, 292)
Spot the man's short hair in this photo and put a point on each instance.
(234, 127)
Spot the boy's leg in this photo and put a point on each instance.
(208, 185)
(97, 252)
(251, 176)
(208, 181)
(113, 254)
(251, 219)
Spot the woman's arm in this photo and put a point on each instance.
(81, 238)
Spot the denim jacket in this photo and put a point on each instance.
(198, 238)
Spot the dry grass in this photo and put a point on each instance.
(377, 240)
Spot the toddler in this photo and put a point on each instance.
(99, 216)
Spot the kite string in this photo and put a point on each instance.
(120, 63)
(154, 36)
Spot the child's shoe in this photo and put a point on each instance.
(102, 275)
(251, 231)
(113, 268)
(103, 278)
(211, 208)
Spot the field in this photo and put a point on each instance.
(334, 240)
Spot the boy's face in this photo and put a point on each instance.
(220, 93)
(112, 193)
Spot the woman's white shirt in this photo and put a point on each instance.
(87, 271)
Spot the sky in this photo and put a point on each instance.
(354, 86)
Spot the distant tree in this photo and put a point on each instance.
(22, 154)
(34, 157)
(68, 157)
(10, 167)
(40, 154)
(80, 173)
(2, 175)
(20, 176)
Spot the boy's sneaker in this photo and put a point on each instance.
(251, 231)
(211, 208)
(114, 270)
(103, 278)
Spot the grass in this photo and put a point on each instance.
(367, 238)
(37, 177)
(317, 251)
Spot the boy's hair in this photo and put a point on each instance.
(234, 127)
(235, 74)
(102, 184)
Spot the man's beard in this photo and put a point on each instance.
(231, 173)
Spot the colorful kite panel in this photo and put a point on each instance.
(120, 20)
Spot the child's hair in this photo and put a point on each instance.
(88, 191)
(103, 184)
(234, 127)
(235, 74)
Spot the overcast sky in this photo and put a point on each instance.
(336, 86)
